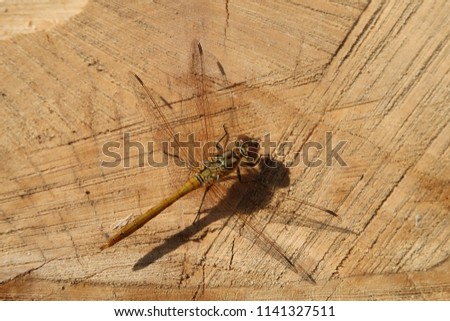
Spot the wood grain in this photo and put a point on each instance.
(373, 73)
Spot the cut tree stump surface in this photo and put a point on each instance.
(373, 74)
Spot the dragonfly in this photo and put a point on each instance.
(228, 158)
(244, 151)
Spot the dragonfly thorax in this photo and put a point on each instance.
(243, 151)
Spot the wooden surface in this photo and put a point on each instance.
(374, 73)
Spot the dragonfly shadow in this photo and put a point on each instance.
(253, 192)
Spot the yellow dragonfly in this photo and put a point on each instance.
(244, 151)
(212, 168)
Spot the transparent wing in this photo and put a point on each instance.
(157, 111)
(246, 224)
(184, 129)
(213, 98)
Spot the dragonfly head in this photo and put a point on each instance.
(249, 150)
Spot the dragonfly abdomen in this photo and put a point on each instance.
(192, 184)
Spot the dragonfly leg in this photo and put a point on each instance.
(197, 216)
(224, 136)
